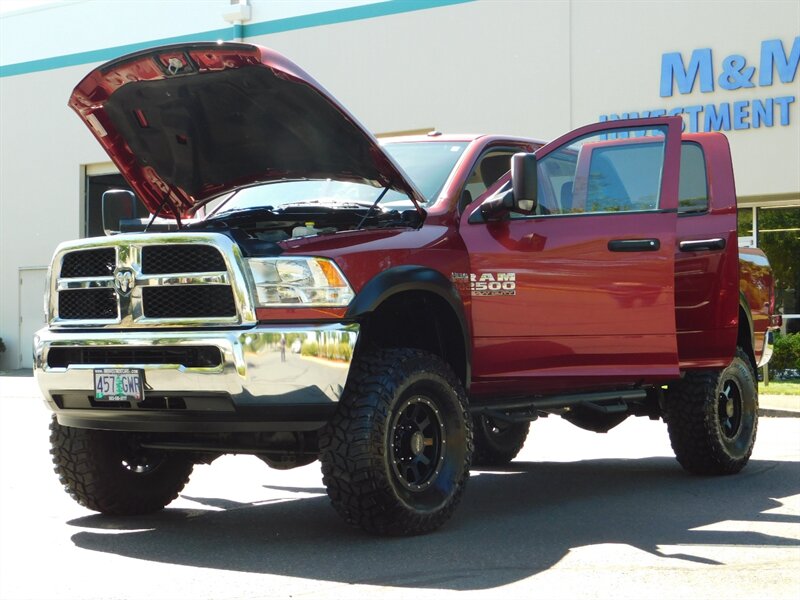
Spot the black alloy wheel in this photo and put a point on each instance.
(109, 472)
(497, 442)
(417, 440)
(729, 408)
(396, 455)
(712, 417)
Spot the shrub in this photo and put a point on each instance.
(785, 360)
(2, 346)
(332, 351)
(344, 352)
(310, 349)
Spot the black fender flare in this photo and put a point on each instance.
(744, 307)
(408, 278)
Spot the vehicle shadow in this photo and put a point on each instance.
(511, 524)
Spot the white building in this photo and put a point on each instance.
(525, 67)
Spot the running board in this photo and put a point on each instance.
(222, 448)
(591, 400)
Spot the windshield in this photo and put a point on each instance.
(428, 164)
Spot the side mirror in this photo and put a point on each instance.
(118, 205)
(524, 182)
(497, 206)
(521, 198)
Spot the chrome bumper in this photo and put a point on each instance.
(254, 382)
(769, 344)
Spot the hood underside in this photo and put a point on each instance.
(187, 123)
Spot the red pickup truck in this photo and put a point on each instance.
(433, 302)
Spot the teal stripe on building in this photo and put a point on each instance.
(330, 17)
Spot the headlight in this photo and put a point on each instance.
(299, 280)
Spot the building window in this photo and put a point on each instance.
(95, 186)
(777, 233)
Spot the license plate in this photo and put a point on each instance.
(118, 385)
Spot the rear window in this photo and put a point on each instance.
(693, 184)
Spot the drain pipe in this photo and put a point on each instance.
(237, 15)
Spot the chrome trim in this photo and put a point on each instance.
(696, 245)
(769, 345)
(84, 283)
(179, 279)
(128, 248)
(251, 372)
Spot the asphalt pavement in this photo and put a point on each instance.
(577, 515)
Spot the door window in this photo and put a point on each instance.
(609, 172)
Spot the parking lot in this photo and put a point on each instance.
(577, 515)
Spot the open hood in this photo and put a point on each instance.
(185, 123)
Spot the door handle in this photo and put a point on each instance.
(648, 245)
(694, 245)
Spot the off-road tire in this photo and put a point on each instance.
(401, 408)
(497, 443)
(105, 471)
(712, 417)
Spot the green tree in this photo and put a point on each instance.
(779, 237)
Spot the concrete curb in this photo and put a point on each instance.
(774, 405)
(777, 412)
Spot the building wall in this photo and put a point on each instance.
(527, 68)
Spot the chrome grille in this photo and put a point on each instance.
(187, 356)
(154, 280)
(173, 302)
(89, 263)
(184, 258)
(93, 303)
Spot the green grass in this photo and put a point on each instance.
(781, 387)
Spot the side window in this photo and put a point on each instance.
(614, 171)
(693, 184)
(624, 177)
(555, 188)
(489, 168)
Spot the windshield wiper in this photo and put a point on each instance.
(238, 213)
(371, 208)
(328, 202)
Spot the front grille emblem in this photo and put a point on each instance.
(124, 281)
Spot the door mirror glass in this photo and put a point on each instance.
(524, 183)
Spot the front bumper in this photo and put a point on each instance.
(258, 385)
